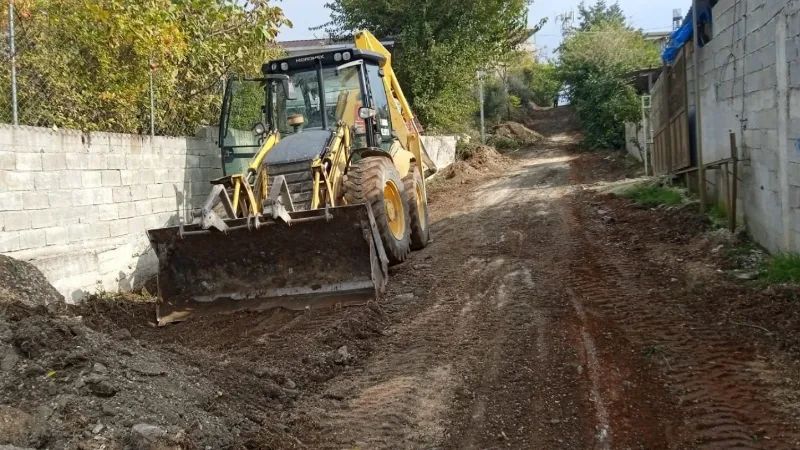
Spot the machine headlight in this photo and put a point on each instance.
(284, 66)
(274, 67)
(346, 56)
(337, 57)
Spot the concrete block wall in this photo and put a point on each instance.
(77, 204)
(441, 149)
(634, 139)
(749, 81)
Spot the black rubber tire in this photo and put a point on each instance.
(420, 225)
(364, 183)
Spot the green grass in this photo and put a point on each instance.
(653, 195)
(782, 268)
(718, 215)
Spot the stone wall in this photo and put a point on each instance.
(750, 85)
(77, 204)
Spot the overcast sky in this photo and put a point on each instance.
(655, 15)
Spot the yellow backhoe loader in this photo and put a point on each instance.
(324, 187)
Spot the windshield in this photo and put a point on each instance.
(342, 100)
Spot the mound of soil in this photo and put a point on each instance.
(517, 132)
(477, 160)
(22, 283)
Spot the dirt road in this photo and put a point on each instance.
(543, 316)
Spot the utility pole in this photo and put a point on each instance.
(698, 115)
(480, 74)
(13, 50)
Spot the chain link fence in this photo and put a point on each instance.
(55, 89)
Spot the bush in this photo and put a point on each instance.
(592, 69)
(653, 195)
(783, 268)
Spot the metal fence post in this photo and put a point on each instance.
(13, 50)
(150, 69)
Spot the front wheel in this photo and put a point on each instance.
(376, 182)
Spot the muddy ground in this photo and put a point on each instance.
(546, 314)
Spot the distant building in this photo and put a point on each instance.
(659, 37)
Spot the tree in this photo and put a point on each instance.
(600, 13)
(86, 63)
(441, 45)
(592, 70)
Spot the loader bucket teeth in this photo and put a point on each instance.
(322, 258)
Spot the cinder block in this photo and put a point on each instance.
(102, 195)
(794, 197)
(11, 201)
(8, 161)
(29, 162)
(100, 230)
(108, 212)
(793, 172)
(69, 179)
(136, 225)
(82, 197)
(146, 176)
(29, 239)
(118, 228)
(54, 161)
(126, 210)
(57, 235)
(59, 198)
(154, 191)
(17, 181)
(138, 192)
(161, 175)
(91, 179)
(794, 104)
(116, 161)
(17, 220)
(80, 232)
(97, 161)
(144, 207)
(35, 200)
(121, 194)
(133, 162)
(44, 181)
(111, 178)
(9, 241)
(77, 161)
(151, 161)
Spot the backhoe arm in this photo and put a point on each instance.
(408, 131)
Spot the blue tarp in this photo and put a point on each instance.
(683, 34)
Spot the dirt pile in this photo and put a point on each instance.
(101, 376)
(517, 133)
(474, 161)
(22, 283)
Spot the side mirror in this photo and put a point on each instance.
(288, 87)
(259, 128)
(366, 113)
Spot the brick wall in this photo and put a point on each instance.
(750, 85)
(77, 204)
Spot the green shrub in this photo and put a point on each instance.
(782, 268)
(653, 195)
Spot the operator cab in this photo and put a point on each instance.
(304, 98)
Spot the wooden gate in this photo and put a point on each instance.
(671, 150)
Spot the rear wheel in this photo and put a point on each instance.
(376, 182)
(417, 209)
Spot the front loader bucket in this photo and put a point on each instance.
(321, 258)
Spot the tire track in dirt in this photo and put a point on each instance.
(715, 383)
